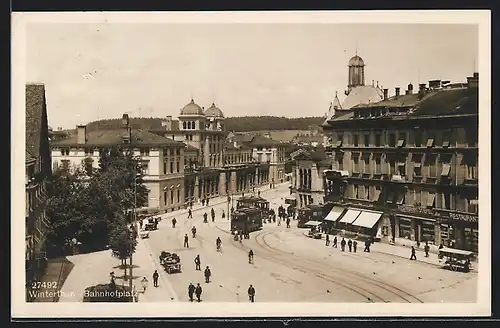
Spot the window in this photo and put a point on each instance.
(390, 197)
(172, 196)
(171, 166)
(447, 201)
(446, 170)
(184, 125)
(88, 166)
(178, 196)
(431, 200)
(378, 161)
(64, 151)
(165, 197)
(355, 159)
(418, 138)
(367, 192)
(355, 139)
(402, 169)
(356, 191)
(366, 160)
(378, 140)
(340, 161)
(89, 151)
(178, 166)
(471, 136)
(404, 227)
(367, 140)
(401, 143)
(417, 169)
(145, 168)
(164, 167)
(470, 167)
(472, 206)
(430, 143)
(340, 139)
(401, 198)
(392, 167)
(431, 164)
(392, 140)
(446, 139)
(144, 151)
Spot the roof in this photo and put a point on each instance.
(113, 137)
(363, 94)
(214, 111)
(261, 141)
(356, 61)
(35, 113)
(192, 109)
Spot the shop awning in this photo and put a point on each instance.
(312, 223)
(367, 219)
(334, 214)
(350, 216)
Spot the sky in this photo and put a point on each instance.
(101, 70)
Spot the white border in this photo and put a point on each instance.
(70, 310)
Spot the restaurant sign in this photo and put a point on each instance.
(439, 214)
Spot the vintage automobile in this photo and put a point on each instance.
(144, 234)
(455, 259)
(171, 262)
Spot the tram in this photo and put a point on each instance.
(312, 212)
(246, 220)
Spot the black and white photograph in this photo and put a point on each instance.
(251, 164)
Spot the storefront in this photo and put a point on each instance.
(460, 230)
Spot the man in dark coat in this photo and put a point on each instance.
(288, 223)
(354, 246)
(197, 262)
(413, 256)
(190, 214)
(367, 246)
(327, 242)
(426, 249)
(174, 221)
(186, 241)
(205, 217)
(349, 244)
(342, 245)
(207, 201)
(155, 278)
(191, 290)
(203, 202)
(335, 241)
(208, 273)
(198, 292)
(213, 215)
(251, 294)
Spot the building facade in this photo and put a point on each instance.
(412, 160)
(38, 170)
(307, 181)
(162, 159)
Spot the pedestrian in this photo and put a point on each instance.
(426, 249)
(190, 214)
(193, 231)
(174, 221)
(205, 218)
(223, 214)
(367, 246)
(155, 278)
(335, 241)
(197, 262)
(288, 223)
(413, 256)
(191, 290)
(198, 292)
(342, 244)
(251, 294)
(144, 283)
(327, 240)
(349, 244)
(213, 215)
(258, 193)
(186, 241)
(203, 202)
(140, 224)
(207, 274)
(207, 201)
(354, 246)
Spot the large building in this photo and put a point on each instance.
(38, 169)
(405, 168)
(162, 159)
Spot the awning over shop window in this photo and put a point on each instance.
(312, 223)
(367, 219)
(334, 214)
(350, 216)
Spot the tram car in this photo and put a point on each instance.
(311, 212)
(251, 202)
(246, 220)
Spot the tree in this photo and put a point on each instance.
(122, 242)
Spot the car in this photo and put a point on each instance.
(144, 234)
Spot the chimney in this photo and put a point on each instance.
(81, 134)
(421, 90)
(473, 81)
(397, 92)
(410, 89)
(385, 93)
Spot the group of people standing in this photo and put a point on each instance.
(351, 244)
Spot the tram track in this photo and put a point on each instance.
(340, 279)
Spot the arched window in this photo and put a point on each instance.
(193, 124)
(184, 125)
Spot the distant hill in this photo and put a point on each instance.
(237, 124)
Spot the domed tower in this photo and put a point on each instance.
(192, 123)
(214, 142)
(356, 73)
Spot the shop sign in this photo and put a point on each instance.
(417, 210)
(433, 212)
(464, 217)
